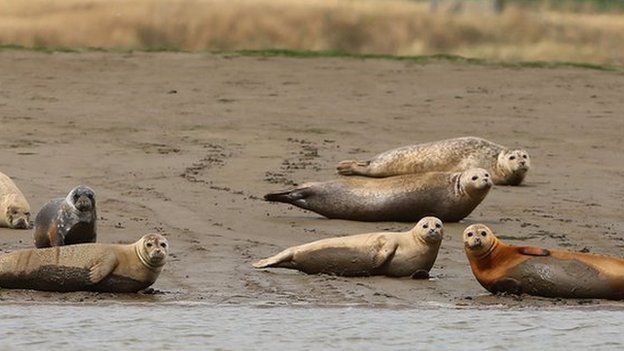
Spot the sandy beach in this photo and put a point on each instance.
(187, 145)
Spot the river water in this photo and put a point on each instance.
(245, 327)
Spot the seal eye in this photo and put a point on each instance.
(524, 156)
(163, 245)
(90, 196)
(470, 235)
(438, 225)
(512, 157)
(475, 178)
(487, 175)
(148, 244)
(425, 226)
(483, 233)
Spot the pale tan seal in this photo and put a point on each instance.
(14, 209)
(410, 253)
(507, 166)
(86, 267)
(405, 198)
(67, 221)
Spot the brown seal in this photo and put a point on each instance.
(410, 253)
(507, 166)
(86, 267)
(67, 221)
(501, 268)
(405, 198)
(14, 209)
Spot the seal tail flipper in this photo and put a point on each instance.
(282, 259)
(352, 167)
(288, 196)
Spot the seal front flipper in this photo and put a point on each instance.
(506, 286)
(102, 268)
(533, 251)
(420, 274)
(385, 253)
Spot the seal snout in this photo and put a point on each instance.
(83, 198)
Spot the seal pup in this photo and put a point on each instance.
(86, 267)
(14, 209)
(410, 253)
(404, 198)
(507, 166)
(67, 221)
(501, 268)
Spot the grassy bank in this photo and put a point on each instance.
(389, 27)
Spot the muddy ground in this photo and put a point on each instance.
(187, 144)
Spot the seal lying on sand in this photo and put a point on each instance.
(502, 268)
(67, 221)
(86, 267)
(507, 166)
(410, 253)
(14, 209)
(407, 198)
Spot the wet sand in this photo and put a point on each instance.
(187, 144)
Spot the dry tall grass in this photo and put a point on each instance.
(364, 26)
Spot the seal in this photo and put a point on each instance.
(404, 198)
(402, 254)
(501, 268)
(67, 221)
(507, 166)
(14, 209)
(86, 267)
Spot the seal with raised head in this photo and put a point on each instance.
(14, 209)
(507, 166)
(403, 254)
(404, 198)
(67, 221)
(86, 267)
(502, 268)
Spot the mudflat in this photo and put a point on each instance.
(187, 144)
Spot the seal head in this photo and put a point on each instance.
(429, 230)
(82, 198)
(513, 165)
(476, 182)
(18, 217)
(479, 240)
(152, 250)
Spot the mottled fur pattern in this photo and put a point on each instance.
(67, 221)
(507, 167)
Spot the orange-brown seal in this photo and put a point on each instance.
(86, 267)
(501, 268)
(405, 198)
(67, 221)
(14, 209)
(506, 166)
(410, 253)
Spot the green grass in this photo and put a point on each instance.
(422, 59)
(338, 54)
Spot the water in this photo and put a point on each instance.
(175, 327)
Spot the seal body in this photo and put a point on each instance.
(67, 221)
(86, 267)
(411, 253)
(407, 198)
(501, 268)
(14, 209)
(507, 167)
